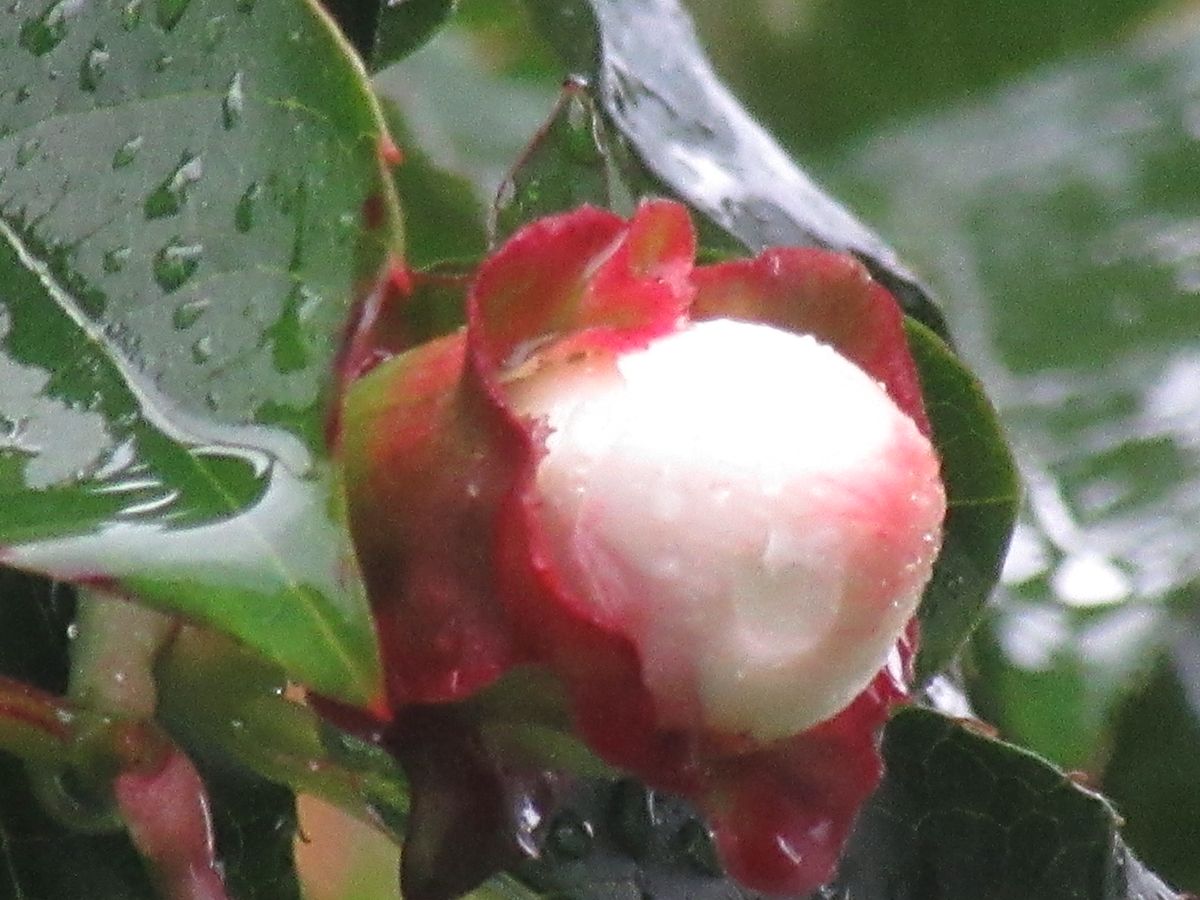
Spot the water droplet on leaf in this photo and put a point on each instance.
(114, 260)
(41, 35)
(94, 66)
(633, 817)
(233, 102)
(27, 151)
(168, 198)
(22, 93)
(175, 263)
(131, 15)
(127, 152)
(202, 350)
(571, 837)
(169, 12)
(163, 62)
(243, 213)
(186, 314)
(214, 32)
(697, 848)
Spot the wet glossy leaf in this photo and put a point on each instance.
(982, 493)
(660, 91)
(179, 240)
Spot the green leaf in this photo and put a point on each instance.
(982, 494)
(180, 236)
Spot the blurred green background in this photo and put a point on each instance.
(1038, 163)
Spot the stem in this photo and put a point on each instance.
(35, 725)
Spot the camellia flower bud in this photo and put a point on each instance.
(703, 499)
(745, 504)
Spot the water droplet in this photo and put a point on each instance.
(73, 631)
(27, 151)
(168, 198)
(22, 93)
(570, 837)
(41, 35)
(233, 102)
(93, 68)
(163, 62)
(131, 15)
(289, 346)
(168, 12)
(127, 152)
(175, 263)
(188, 313)
(202, 350)
(243, 214)
(695, 843)
(633, 817)
(114, 260)
(214, 32)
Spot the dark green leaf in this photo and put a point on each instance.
(982, 493)
(660, 91)
(179, 237)
(960, 814)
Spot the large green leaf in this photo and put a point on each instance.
(180, 237)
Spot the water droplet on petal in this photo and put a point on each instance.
(168, 12)
(233, 102)
(94, 66)
(27, 151)
(188, 313)
(175, 263)
(114, 260)
(127, 152)
(243, 214)
(131, 15)
(168, 198)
